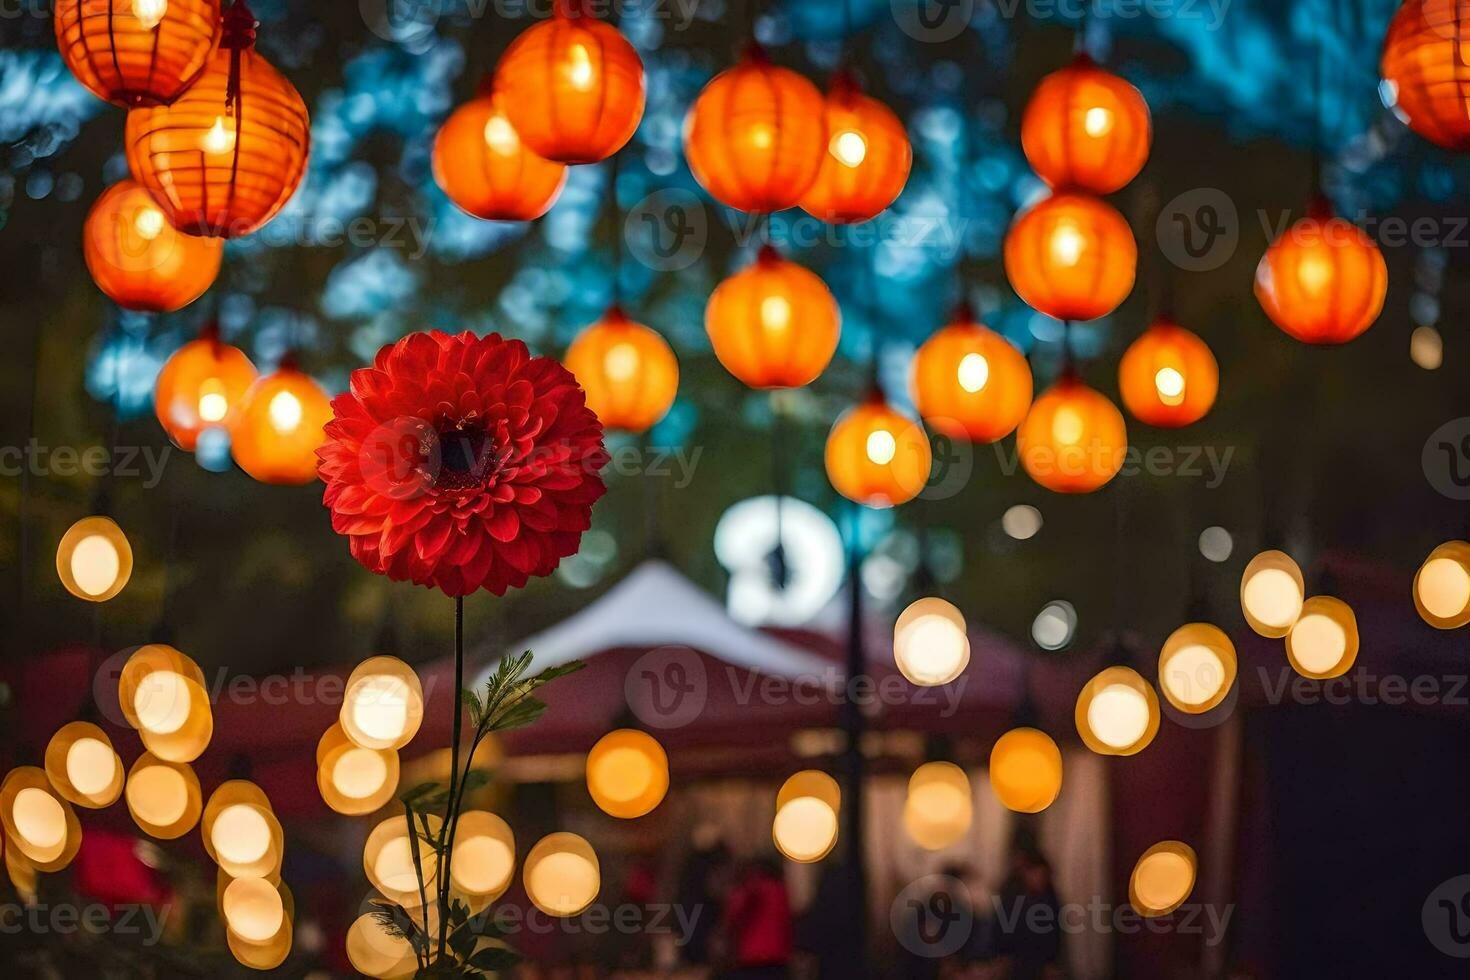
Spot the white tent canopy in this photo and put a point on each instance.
(655, 605)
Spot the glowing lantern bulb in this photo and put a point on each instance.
(1442, 586)
(562, 875)
(1026, 770)
(94, 559)
(1271, 593)
(805, 825)
(1117, 712)
(149, 12)
(627, 773)
(881, 447)
(1323, 642)
(253, 909)
(484, 855)
(1163, 878)
(91, 766)
(973, 372)
(1197, 667)
(218, 139)
(930, 645)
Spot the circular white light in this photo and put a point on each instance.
(974, 372)
(1195, 674)
(285, 412)
(380, 707)
(39, 819)
(162, 701)
(805, 827)
(359, 773)
(1273, 597)
(1319, 642)
(881, 447)
(1444, 587)
(1021, 521)
(501, 136)
(1054, 625)
(1426, 348)
(849, 147)
(1216, 544)
(1097, 121)
(1118, 716)
(91, 766)
(95, 564)
(240, 835)
(621, 361)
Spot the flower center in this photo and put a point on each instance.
(467, 459)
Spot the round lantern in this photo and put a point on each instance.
(970, 382)
(1086, 128)
(94, 559)
(201, 386)
(573, 86)
(562, 875)
(162, 694)
(137, 52)
(279, 428)
(805, 826)
(1271, 593)
(1425, 72)
(83, 766)
(1073, 439)
(1168, 376)
(1026, 770)
(484, 859)
(1323, 642)
(1324, 280)
(38, 822)
(867, 160)
(877, 456)
(1071, 257)
(629, 372)
(481, 164)
(388, 860)
(1442, 586)
(241, 832)
(163, 797)
(351, 779)
(938, 810)
(140, 260)
(376, 952)
(1163, 878)
(1196, 667)
(930, 643)
(229, 153)
(627, 773)
(1117, 712)
(253, 909)
(756, 137)
(383, 704)
(773, 324)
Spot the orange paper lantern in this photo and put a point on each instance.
(1426, 72)
(483, 166)
(573, 86)
(629, 372)
(1071, 256)
(757, 135)
(867, 160)
(201, 386)
(1086, 128)
(279, 428)
(1073, 440)
(137, 52)
(970, 382)
(877, 456)
(1324, 280)
(140, 260)
(773, 324)
(1168, 376)
(229, 153)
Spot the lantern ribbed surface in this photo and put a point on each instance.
(1427, 72)
(1086, 128)
(867, 160)
(484, 167)
(137, 52)
(1071, 256)
(217, 165)
(629, 372)
(140, 260)
(1324, 280)
(773, 324)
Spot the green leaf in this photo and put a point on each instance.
(416, 794)
(493, 959)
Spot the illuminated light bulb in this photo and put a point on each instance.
(761, 136)
(1068, 426)
(1117, 712)
(484, 859)
(775, 313)
(881, 447)
(930, 643)
(91, 766)
(95, 564)
(218, 139)
(354, 780)
(1323, 642)
(621, 361)
(1097, 121)
(148, 223)
(1163, 878)
(161, 694)
(1197, 667)
(383, 705)
(39, 825)
(388, 861)
(580, 71)
(562, 875)
(1442, 586)
(1271, 593)
(1021, 522)
(359, 773)
(240, 834)
(1426, 348)
(39, 819)
(1216, 544)
(375, 952)
(849, 147)
(938, 810)
(150, 12)
(1026, 770)
(1314, 273)
(253, 909)
(1054, 626)
(83, 767)
(501, 136)
(93, 559)
(163, 797)
(627, 773)
(1067, 244)
(1170, 385)
(162, 702)
(973, 372)
(805, 825)
(285, 412)
(214, 402)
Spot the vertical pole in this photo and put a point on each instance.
(853, 725)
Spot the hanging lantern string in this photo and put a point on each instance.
(617, 230)
(1069, 362)
(237, 37)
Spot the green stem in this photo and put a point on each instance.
(446, 849)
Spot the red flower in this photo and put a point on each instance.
(462, 463)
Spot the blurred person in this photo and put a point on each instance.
(1028, 941)
(702, 881)
(824, 929)
(758, 921)
(927, 950)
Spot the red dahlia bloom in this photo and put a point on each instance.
(461, 463)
